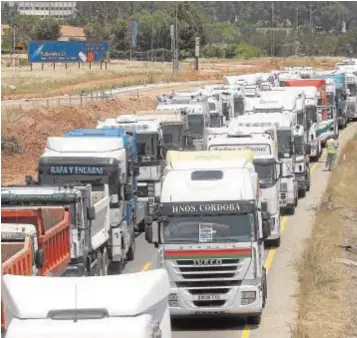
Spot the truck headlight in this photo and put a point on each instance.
(248, 297)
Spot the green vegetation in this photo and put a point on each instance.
(227, 29)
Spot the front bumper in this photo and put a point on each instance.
(183, 305)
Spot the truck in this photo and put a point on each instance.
(196, 120)
(130, 305)
(149, 135)
(49, 227)
(87, 257)
(232, 98)
(336, 88)
(329, 126)
(352, 97)
(102, 162)
(173, 124)
(265, 159)
(209, 234)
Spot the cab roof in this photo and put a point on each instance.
(121, 295)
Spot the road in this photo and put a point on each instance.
(279, 313)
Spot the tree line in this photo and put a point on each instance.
(226, 29)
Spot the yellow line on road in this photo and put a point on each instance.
(271, 254)
(146, 266)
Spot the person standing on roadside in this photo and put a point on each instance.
(331, 147)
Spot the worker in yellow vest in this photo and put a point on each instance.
(331, 147)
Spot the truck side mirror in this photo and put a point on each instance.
(266, 229)
(40, 258)
(91, 213)
(265, 215)
(307, 149)
(148, 234)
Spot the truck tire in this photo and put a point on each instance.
(275, 242)
(302, 193)
(290, 209)
(308, 186)
(265, 286)
(254, 320)
(130, 256)
(296, 202)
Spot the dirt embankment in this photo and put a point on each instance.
(327, 299)
(32, 129)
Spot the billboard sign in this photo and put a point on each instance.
(67, 51)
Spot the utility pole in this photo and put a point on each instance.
(152, 31)
(174, 40)
(311, 12)
(272, 45)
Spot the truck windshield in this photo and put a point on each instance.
(196, 124)
(299, 145)
(147, 145)
(266, 173)
(222, 229)
(353, 89)
(212, 107)
(284, 143)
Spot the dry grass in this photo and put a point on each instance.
(50, 82)
(323, 307)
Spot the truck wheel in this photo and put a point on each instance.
(275, 242)
(131, 253)
(254, 320)
(291, 209)
(302, 193)
(308, 182)
(296, 202)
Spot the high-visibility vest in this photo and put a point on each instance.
(330, 146)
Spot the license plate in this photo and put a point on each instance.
(208, 297)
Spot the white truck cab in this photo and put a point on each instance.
(103, 163)
(149, 134)
(128, 306)
(352, 96)
(204, 223)
(244, 134)
(196, 118)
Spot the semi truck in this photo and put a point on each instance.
(126, 306)
(209, 235)
(88, 257)
(174, 126)
(102, 162)
(150, 158)
(264, 148)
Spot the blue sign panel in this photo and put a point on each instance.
(134, 33)
(76, 170)
(67, 51)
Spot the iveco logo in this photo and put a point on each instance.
(207, 261)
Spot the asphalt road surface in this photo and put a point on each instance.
(279, 313)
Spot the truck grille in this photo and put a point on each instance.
(212, 280)
(143, 191)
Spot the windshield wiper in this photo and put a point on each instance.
(183, 241)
